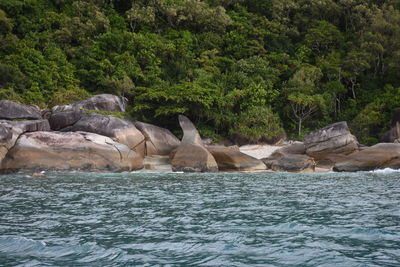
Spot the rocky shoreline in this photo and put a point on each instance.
(74, 137)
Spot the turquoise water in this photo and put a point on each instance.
(224, 219)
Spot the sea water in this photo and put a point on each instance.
(217, 219)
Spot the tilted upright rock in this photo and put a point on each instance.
(191, 155)
(159, 141)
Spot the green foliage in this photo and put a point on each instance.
(368, 124)
(302, 64)
(258, 123)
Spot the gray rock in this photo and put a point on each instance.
(159, 141)
(190, 133)
(193, 158)
(296, 148)
(233, 160)
(30, 126)
(392, 135)
(119, 130)
(105, 102)
(291, 158)
(69, 151)
(11, 130)
(379, 156)
(5, 133)
(13, 111)
(332, 139)
(62, 120)
(291, 163)
(191, 155)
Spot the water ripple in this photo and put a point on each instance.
(225, 219)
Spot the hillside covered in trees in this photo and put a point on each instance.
(250, 68)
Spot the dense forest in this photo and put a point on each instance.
(247, 68)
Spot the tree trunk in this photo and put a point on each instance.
(300, 124)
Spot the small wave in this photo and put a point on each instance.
(11, 244)
(17, 247)
(386, 170)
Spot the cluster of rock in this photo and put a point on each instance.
(75, 137)
(72, 137)
(335, 148)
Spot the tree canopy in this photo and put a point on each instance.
(235, 67)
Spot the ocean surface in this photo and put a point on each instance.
(219, 219)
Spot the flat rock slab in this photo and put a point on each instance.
(13, 111)
(159, 141)
(380, 156)
(234, 160)
(70, 151)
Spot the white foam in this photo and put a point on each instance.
(386, 170)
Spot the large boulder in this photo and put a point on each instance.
(291, 158)
(233, 160)
(105, 102)
(394, 133)
(121, 131)
(159, 141)
(331, 140)
(291, 163)
(380, 156)
(297, 148)
(191, 155)
(6, 135)
(193, 158)
(13, 111)
(69, 151)
(62, 120)
(11, 130)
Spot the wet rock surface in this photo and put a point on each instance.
(380, 156)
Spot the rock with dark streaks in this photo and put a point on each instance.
(121, 131)
(333, 139)
(10, 110)
(69, 151)
(104, 102)
(159, 141)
